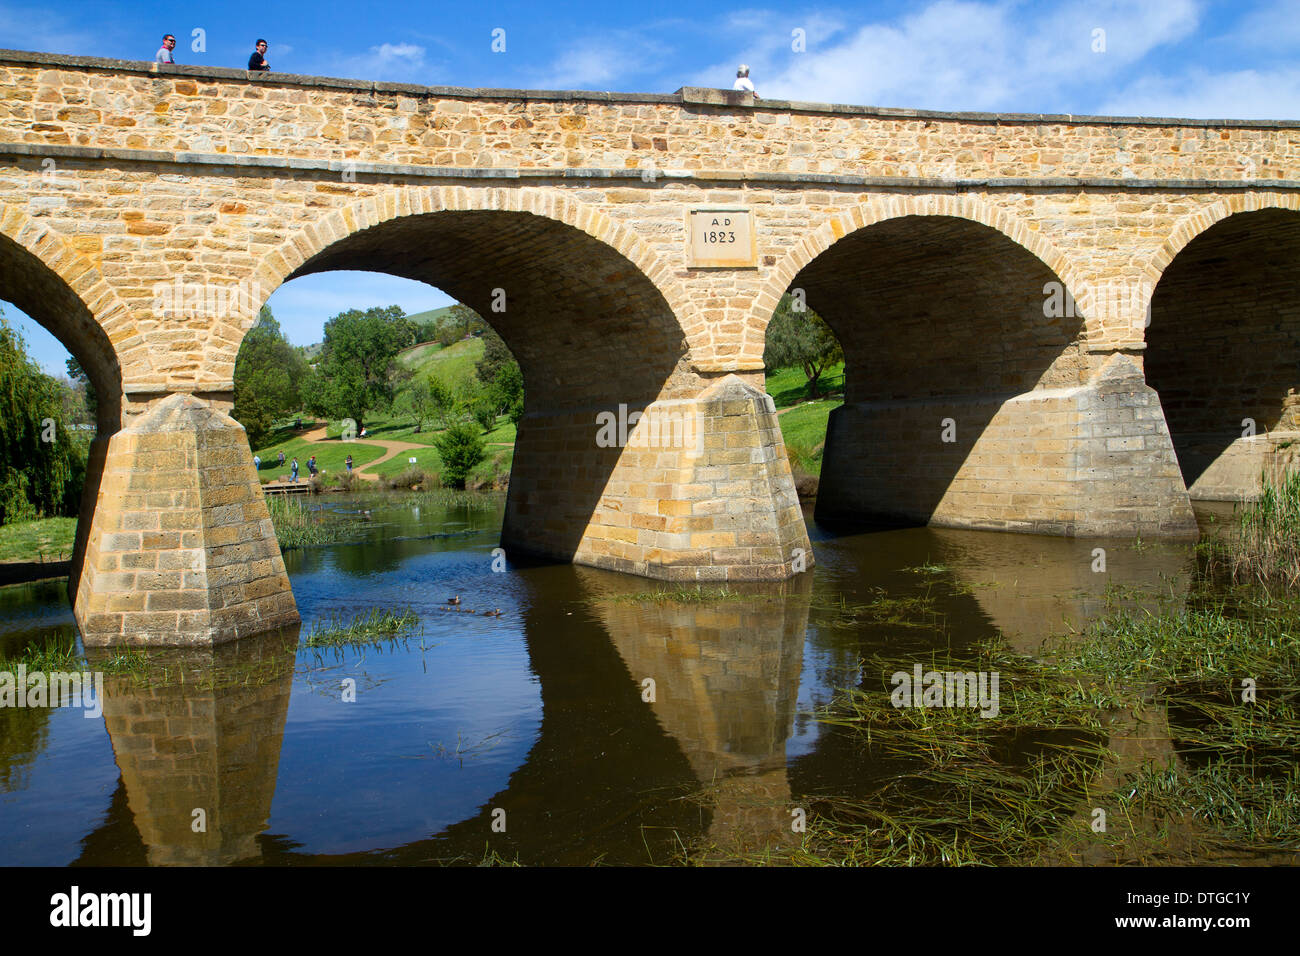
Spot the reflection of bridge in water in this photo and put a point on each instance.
(610, 776)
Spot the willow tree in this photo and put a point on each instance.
(42, 467)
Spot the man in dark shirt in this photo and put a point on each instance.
(258, 60)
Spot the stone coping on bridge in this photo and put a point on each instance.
(388, 170)
(687, 95)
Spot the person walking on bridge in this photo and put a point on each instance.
(293, 470)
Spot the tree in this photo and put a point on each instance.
(461, 448)
(801, 338)
(430, 398)
(496, 355)
(507, 391)
(268, 371)
(42, 467)
(464, 319)
(354, 375)
(82, 381)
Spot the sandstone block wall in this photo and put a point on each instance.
(702, 491)
(181, 549)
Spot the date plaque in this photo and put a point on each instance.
(721, 239)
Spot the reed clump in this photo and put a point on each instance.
(376, 626)
(297, 524)
(1267, 546)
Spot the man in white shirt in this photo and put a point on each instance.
(743, 81)
(165, 51)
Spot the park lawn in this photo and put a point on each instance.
(502, 433)
(804, 432)
(43, 539)
(497, 462)
(789, 386)
(329, 456)
(426, 458)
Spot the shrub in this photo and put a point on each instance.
(461, 448)
(410, 477)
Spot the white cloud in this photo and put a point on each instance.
(599, 63)
(961, 54)
(410, 52)
(395, 62)
(1201, 94)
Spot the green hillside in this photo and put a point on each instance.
(453, 364)
(433, 315)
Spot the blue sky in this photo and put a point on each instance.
(1161, 57)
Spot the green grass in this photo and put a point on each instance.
(804, 431)
(52, 654)
(44, 539)
(330, 456)
(453, 364)
(372, 627)
(789, 386)
(495, 465)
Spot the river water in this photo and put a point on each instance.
(584, 724)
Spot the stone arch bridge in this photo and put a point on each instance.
(1054, 324)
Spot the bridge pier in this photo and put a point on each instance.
(180, 550)
(1092, 460)
(683, 490)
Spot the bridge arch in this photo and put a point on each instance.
(573, 294)
(62, 289)
(880, 209)
(306, 249)
(1195, 223)
(1223, 343)
(957, 367)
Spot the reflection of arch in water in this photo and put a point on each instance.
(207, 739)
(1033, 591)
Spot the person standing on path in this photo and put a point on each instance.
(293, 469)
(257, 62)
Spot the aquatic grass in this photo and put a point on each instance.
(1267, 546)
(1234, 804)
(699, 594)
(948, 786)
(375, 626)
(297, 524)
(54, 653)
(912, 612)
(1192, 644)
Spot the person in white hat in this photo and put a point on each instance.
(743, 81)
